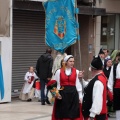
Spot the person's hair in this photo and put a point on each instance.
(61, 63)
(30, 67)
(106, 49)
(69, 58)
(105, 62)
(118, 54)
(92, 68)
(49, 50)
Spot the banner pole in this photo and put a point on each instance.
(79, 49)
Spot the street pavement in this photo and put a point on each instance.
(18, 110)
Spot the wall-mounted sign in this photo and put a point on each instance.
(90, 47)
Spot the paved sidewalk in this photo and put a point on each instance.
(17, 110)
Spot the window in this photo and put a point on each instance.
(108, 32)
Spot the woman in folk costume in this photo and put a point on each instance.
(107, 67)
(106, 70)
(114, 56)
(67, 107)
(114, 85)
(27, 92)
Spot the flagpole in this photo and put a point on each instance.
(79, 49)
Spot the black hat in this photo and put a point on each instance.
(97, 63)
(101, 51)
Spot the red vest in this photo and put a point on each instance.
(104, 81)
(68, 80)
(117, 83)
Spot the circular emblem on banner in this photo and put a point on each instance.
(60, 27)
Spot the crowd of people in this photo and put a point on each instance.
(80, 99)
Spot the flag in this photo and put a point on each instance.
(60, 24)
(1, 81)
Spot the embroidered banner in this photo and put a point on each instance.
(60, 26)
(1, 81)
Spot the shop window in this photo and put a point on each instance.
(108, 32)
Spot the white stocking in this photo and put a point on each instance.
(117, 114)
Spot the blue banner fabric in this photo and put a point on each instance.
(1, 80)
(60, 26)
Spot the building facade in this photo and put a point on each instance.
(29, 31)
(99, 22)
(110, 24)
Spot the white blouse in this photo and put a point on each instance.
(111, 79)
(68, 72)
(27, 86)
(97, 98)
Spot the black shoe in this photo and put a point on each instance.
(47, 101)
(108, 115)
(29, 100)
(39, 100)
(42, 103)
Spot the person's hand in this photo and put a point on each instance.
(59, 97)
(29, 81)
(80, 101)
(90, 118)
(49, 79)
(81, 74)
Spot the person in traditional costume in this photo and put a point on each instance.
(36, 86)
(107, 67)
(114, 56)
(94, 99)
(27, 92)
(51, 93)
(106, 52)
(114, 86)
(102, 55)
(106, 70)
(67, 105)
(57, 62)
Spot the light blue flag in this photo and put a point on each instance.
(61, 30)
(1, 81)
